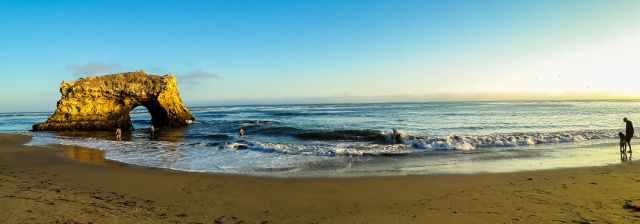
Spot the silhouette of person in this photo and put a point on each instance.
(152, 131)
(623, 142)
(242, 133)
(629, 132)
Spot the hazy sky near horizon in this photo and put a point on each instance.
(260, 51)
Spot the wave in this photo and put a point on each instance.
(320, 135)
(356, 142)
(275, 131)
(294, 113)
(343, 135)
(499, 127)
(234, 126)
(423, 142)
(215, 136)
(342, 149)
(371, 142)
(211, 114)
(470, 142)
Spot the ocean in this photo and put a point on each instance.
(334, 140)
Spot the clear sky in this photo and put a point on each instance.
(316, 51)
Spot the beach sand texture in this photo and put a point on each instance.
(65, 184)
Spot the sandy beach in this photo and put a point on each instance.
(319, 112)
(65, 184)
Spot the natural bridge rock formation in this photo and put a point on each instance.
(104, 103)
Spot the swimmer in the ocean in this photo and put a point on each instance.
(242, 133)
(396, 137)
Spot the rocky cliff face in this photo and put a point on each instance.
(104, 103)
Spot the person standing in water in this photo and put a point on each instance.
(242, 133)
(396, 137)
(118, 134)
(629, 132)
(152, 131)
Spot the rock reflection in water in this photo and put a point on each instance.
(85, 155)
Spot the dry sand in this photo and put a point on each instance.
(43, 185)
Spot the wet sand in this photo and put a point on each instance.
(65, 184)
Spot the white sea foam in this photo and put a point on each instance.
(413, 144)
(372, 149)
(471, 142)
(266, 158)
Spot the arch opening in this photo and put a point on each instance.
(140, 117)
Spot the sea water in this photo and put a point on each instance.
(359, 139)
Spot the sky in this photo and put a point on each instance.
(261, 51)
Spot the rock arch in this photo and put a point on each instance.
(104, 103)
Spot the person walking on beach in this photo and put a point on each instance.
(629, 132)
(623, 142)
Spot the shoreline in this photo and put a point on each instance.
(419, 163)
(61, 147)
(42, 186)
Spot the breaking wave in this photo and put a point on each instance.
(471, 142)
(371, 142)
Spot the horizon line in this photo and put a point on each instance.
(386, 100)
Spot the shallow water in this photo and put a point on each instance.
(355, 139)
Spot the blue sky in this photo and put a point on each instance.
(317, 51)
